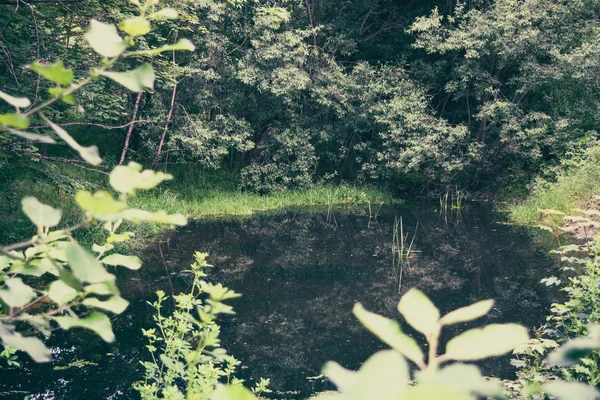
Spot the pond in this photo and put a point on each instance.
(300, 272)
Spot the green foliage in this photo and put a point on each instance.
(575, 184)
(385, 375)
(56, 269)
(187, 360)
(69, 275)
(573, 323)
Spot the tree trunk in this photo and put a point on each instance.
(164, 133)
(130, 130)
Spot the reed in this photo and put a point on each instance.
(401, 249)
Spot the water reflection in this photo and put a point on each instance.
(300, 273)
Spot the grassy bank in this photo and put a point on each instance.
(573, 187)
(194, 193)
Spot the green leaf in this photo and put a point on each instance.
(131, 262)
(137, 216)
(19, 102)
(102, 289)
(135, 26)
(490, 341)
(571, 352)
(37, 268)
(389, 331)
(232, 392)
(33, 137)
(85, 266)
(54, 72)
(344, 379)
(437, 393)
(100, 202)
(115, 304)
(182, 44)
(571, 390)
(96, 322)
(14, 120)
(61, 293)
(384, 376)
(468, 313)
(40, 214)
(31, 345)
(89, 154)
(165, 13)
(462, 378)
(16, 293)
(419, 312)
(104, 39)
(129, 178)
(60, 93)
(135, 80)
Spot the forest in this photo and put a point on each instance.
(234, 199)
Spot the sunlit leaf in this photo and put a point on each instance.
(181, 45)
(218, 292)
(16, 293)
(129, 178)
(436, 392)
(31, 345)
(136, 80)
(571, 352)
(100, 202)
(85, 266)
(389, 331)
(131, 262)
(20, 102)
(42, 215)
(54, 72)
(89, 154)
(61, 93)
(61, 293)
(384, 376)
(104, 39)
(96, 322)
(468, 313)
(103, 288)
(571, 390)
(14, 120)
(115, 304)
(232, 392)
(344, 379)
(137, 216)
(419, 312)
(165, 13)
(135, 26)
(34, 268)
(462, 378)
(490, 341)
(33, 137)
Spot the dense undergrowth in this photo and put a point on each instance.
(574, 185)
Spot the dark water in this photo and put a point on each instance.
(300, 272)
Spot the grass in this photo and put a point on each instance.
(196, 194)
(572, 189)
(198, 203)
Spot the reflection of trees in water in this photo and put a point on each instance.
(301, 273)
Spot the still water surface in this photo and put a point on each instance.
(300, 272)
